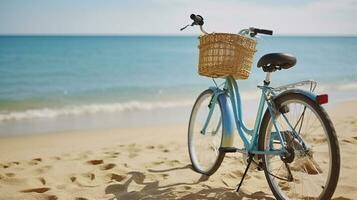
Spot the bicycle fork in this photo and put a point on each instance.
(226, 120)
(211, 106)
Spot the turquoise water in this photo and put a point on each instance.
(54, 76)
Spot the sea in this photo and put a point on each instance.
(62, 83)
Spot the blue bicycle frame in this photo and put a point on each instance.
(229, 100)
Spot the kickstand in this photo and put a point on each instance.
(246, 170)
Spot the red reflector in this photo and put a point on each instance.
(322, 99)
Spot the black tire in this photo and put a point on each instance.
(332, 143)
(191, 148)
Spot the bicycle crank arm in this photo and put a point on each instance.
(232, 150)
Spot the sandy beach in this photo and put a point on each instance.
(142, 163)
(96, 99)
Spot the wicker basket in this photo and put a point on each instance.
(223, 54)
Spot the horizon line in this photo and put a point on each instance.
(159, 35)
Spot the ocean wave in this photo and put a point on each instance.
(51, 112)
(91, 109)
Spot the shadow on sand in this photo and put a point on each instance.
(152, 190)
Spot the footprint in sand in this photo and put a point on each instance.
(4, 165)
(52, 197)
(95, 162)
(35, 161)
(10, 164)
(80, 198)
(73, 178)
(108, 166)
(115, 177)
(84, 180)
(42, 180)
(163, 148)
(36, 190)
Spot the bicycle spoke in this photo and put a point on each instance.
(204, 146)
(305, 175)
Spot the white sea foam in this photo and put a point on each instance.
(91, 109)
(106, 108)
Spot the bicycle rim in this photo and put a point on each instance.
(311, 171)
(204, 147)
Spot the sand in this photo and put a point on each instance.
(142, 163)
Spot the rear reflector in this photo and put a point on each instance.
(322, 99)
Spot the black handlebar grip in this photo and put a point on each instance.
(264, 31)
(197, 19)
(193, 16)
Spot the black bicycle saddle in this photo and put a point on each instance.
(276, 61)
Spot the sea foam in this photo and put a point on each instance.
(91, 109)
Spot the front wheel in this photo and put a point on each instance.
(311, 168)
(205, 134)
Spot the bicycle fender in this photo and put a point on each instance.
(306, 93)
(227, 118)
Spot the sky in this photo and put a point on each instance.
(165, 17)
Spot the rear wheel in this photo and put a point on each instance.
(309, 172)
(203, 145)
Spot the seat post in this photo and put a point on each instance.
(267, 78)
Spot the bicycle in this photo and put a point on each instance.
(293, 140)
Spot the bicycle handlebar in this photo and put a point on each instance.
(197, 19)
(255, 31)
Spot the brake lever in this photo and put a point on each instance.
(183, 28)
